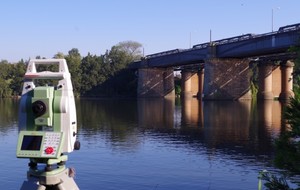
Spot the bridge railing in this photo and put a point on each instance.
(173, 51)
(225, 41)
(287, 28)
(283, 29)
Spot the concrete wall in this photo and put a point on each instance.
(276, 81)
(195, 84)
(226, 79)
(156, 82)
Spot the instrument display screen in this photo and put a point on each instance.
(31, 142)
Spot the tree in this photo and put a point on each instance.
(296, 73)
(18, 71)
(6, 70)
(92, 75)
(74, 60)
(5, 91)
(59, 55)
(121, 55)
(108, 74)
(6, 78)
(121, 80)
(131, 48)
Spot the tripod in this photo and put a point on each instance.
(49, 178)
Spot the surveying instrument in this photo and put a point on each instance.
(47, 127)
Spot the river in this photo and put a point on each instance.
(161, 144)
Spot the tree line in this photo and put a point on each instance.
(92, 75)
(104, 75)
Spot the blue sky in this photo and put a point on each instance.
(30, 28)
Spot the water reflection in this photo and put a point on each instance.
(192, 112)
(244, 127)
(270, 116)
(156, 113)
(224, 140)
(8, 113)
(112, 121)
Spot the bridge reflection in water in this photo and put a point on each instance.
(137, 144)
(242, 126)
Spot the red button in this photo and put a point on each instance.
(49, 150)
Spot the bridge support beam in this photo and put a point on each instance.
(186, 84)
(276, 80)
(227, 79)
(275, 83)
(200, 83)
(190, 83)
(265, 78)
(286, 80)
(156, 82)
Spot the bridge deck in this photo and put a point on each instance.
(248, 45)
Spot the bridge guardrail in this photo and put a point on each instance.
(283, 29)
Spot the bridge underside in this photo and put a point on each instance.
(227, 72)
(221, 79)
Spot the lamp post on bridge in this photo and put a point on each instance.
(273, 17)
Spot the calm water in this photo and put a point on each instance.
(159, 144)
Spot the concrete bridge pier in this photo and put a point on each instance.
(156, 82)
(200, 83)
(186, 84)
(190, 83)
(286, 80)
(227, 79)
(265, 91)
(275, 83)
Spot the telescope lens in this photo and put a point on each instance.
(39, 108)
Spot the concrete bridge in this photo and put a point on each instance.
(223, 69)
